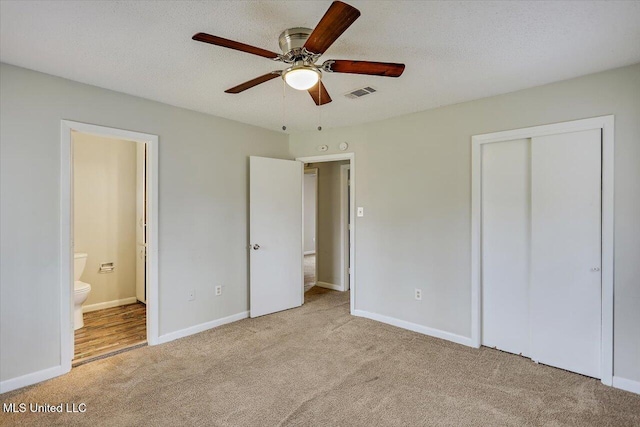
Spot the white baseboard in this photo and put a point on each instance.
(309, 252)
(201, 327)
(415, 327)
(32, 378)
(108, 304)
(625, 384)
(329, 286)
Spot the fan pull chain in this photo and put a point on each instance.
(284, 104)
(319, 106)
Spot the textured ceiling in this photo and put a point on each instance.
(454, 51)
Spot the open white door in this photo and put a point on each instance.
(141, 222)
(275, 230)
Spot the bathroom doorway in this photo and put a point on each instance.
(109, 245)
(109, 218)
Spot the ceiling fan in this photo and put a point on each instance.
(302, 47)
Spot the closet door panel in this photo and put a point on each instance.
(565, 293)
(505, 245)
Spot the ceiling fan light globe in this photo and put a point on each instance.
(302, 78)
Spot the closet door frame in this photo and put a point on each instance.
(606, 125)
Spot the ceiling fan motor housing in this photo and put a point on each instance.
(293, 39)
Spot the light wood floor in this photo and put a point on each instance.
(110, 331)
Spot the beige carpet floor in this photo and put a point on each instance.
(319, 366)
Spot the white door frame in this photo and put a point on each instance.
(344, 225)
(606, 125)
(352, 210)
(314, 171)
(141, 221)
(66, 230)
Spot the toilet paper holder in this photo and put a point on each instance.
(107, 267)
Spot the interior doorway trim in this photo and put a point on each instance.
(67, 127)
(606, 125)
(352, 210)
(314, 171)
(344, 225)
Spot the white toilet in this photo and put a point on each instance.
(81, 289)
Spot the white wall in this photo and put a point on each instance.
(310, 180)
(203, 196)
(105, 214)
(329, 256)
(414, 180)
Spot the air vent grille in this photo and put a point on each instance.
(358, 93)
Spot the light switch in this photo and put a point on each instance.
(360, 211)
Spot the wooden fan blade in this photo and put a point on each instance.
(386, 69)
(335, 21)
(320, 94)
(251, 83)
(219, 41)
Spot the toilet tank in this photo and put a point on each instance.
(79, 261)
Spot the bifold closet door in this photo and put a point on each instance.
(565, 292)
(505, 245)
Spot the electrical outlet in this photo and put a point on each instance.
(418, 294)
(192, 294)
(218, 290)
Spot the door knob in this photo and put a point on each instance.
(256, 247)
(595, 269)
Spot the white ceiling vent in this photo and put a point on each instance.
(358, 93)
